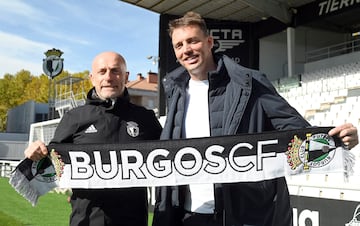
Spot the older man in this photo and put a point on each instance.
(104, 119)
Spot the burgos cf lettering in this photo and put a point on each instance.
(188, 161)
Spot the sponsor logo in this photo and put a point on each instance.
(225, 39)
(355, 221)
(91, 129)
(306, 217)
(223, 45)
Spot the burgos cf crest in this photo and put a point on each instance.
(315, 151)
(53, 64)
(43, 171)
(132, 129)
(48, 169)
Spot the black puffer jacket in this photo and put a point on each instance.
(103, 122)
(240, 101)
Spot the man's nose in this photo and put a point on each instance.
(108, 75)
(187, 48)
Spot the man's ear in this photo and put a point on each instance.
(127, 77)
(211, 41)
(91, 79)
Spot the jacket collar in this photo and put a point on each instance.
(108, 104)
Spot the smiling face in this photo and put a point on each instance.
(192, 49)
(109, 75)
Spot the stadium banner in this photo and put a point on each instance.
(316, 211)
(321, 9)
(224, 159)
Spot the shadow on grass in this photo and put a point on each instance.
(9, 221)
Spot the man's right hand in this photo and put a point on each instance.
(36, 151)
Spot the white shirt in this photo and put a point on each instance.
(196, 124)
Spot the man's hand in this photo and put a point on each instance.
(347, 133)
(36, 151)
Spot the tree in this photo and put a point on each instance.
(37, 89)
(12, 93)
(22, 87)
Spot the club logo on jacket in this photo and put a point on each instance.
(132, 129)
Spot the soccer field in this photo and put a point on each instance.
(51, 210)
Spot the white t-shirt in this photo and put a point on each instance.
(196, 124)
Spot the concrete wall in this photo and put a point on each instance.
(273, 59)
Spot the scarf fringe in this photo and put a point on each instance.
(349, 163)
(22, 185)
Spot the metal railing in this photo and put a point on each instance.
(69, 100)
(333, 50)
(6, 167)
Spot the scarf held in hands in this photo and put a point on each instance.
(225, 159)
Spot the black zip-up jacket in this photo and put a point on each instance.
(102, 122)
(241, 100)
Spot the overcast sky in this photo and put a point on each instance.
(81, 29)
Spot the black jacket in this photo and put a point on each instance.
(241, 100)
(102, 122)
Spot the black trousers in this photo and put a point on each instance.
(87, 213)
(199, 219)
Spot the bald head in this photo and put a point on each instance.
(108, 56)
(108, 74)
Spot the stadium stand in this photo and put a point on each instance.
(328, 97)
